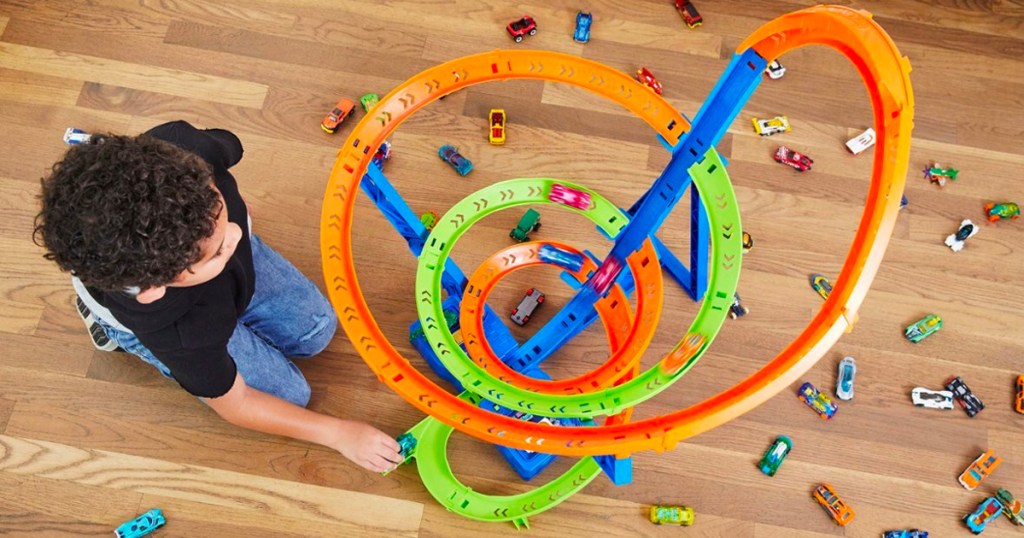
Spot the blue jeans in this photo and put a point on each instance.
(287, 317)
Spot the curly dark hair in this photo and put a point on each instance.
(125, 211)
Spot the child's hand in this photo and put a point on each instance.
(367, 446)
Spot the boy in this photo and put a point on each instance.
(158, 242)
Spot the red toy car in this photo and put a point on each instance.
(689, 13)
(799, 161)
(647, 79)
(334, 118)
(560, 194)
(524, 26)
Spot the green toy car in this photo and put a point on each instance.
(924, 328)
(1005, 210)
(775, 455)
(368, 101)
(530, 222)
(672, 515)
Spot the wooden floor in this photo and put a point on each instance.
(89, 439)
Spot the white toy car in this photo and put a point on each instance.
(861, 142)
(768, 127)
(956, 240)
(933, 399)
(844, 379)
(775, 70)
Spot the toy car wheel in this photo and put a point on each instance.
(533, 32)
(540, 299)
(519, 38)
(525, 319)
(535, 227)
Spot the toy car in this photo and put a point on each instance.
(737, 310)
(74, 136)
(979, 469)
(672, 515)
(337, 115)
(496, 134)
(406, 444)
(582, 33)
(382, 154)
(529, 222)
(788, 157)
(748, 242)
(955, 241)
(938, 174)
(521, 27)
(817, 401)
(560, 257)
(429, 219)
(775, 70)
(646, 78)
(827, 497)
(988, 510)
(1005, 210)
(689, 14)
(861, 142)
(683, 352)
(913, 533)
(923, 328)
(821, 285)
(450, 154)
(560, 194)
(521, 314)
(768, 127)
(142, 525)
(844, 379)
(604, 277)
(1019, 405)
(933, 399)
(775, 455)
(368, 101)
(1011, 507)
(962, 393)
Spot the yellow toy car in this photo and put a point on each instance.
(672, 515)
(768, 127)
(496, 134)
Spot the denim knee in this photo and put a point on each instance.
(299, 394)
(319, 336)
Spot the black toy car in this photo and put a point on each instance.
(962, 393)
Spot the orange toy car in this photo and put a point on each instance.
(689, 347)
(334, 118)
(1020, 394)
(979, 470)
(836, 507)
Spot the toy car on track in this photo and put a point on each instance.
(406, 444)
(937, 174)
(337, 115)
(844, 378)
(522, 27)
(861, 142)
(560, 194)
(979, 469)
(962, 393)
(817, 401)
(582, 33)
(429, 219)
(560, 257)
(672, 515)
(529, 222)
(368, 101)
(775, 70)
(683, 352)
(450, 154)
(604, 277)
(529, 303)
(1012, 508)
(737, 310)
(788, 157)
(646, 78)
(1019, 401)
(142, 525)
(775, 455)
(496, 134)
(923, 328)
(955, 241)
(383, 154)
(932, 399)
(1005, 210)
(988, 510)
(827, 497)
(689, 14)
(770, 126)
(821, 284)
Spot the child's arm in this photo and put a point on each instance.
(256, 410)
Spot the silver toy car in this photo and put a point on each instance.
(844, 379)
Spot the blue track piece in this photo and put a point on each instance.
(619, 471)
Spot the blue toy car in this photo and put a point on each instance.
(988, 510)
(582, 33)
(450, 154)
(142, 525)
(383, 154)
(560, 257)
(912, 533)
(817, 401)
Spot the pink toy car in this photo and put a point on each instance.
(788, 157)
(560, 194)
(605, 276)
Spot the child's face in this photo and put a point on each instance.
(217, 250)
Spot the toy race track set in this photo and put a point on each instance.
(589, 416)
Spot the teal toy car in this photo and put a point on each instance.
(406, 444)
(923, 328)
(988, 510)
(368, 101)
(672, 515)
(142, 525)
(775, 455)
